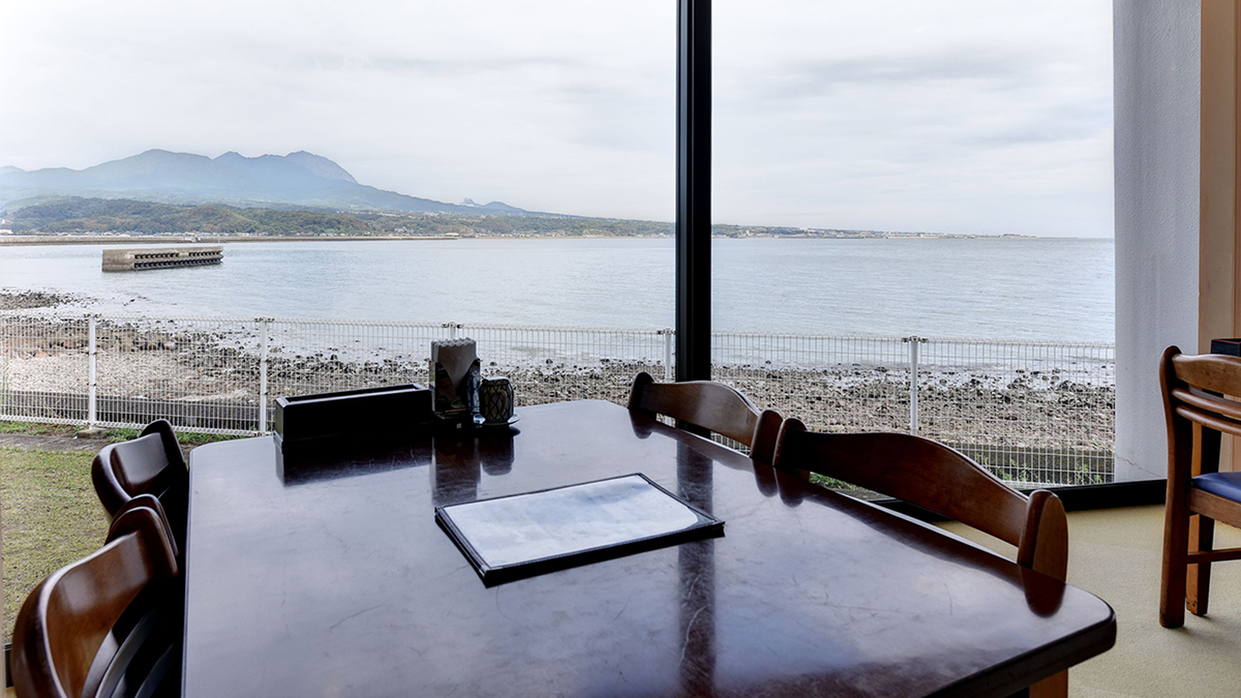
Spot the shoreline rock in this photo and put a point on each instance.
(11, 299)
(1057, 422)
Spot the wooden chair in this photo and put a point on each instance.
(150, 464)
(710, 405)
(947, 482)
(1197, 409)
(101, 627)
(149, 502)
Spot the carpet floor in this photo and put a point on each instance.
(1115, 554)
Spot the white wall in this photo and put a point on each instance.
(1157, 123)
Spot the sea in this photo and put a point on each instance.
(989, 288)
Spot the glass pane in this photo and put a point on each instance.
(915, 200)
(900, 118)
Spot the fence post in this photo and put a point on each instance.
(263, 331)
(668, 333)
(452, 329)
(913, 342)
(92, 346)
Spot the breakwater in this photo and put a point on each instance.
(140, 258)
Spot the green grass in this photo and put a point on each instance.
(38, 429)
(185, 438)
(117, 434)
(51, 517)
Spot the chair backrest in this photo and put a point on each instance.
(710, 405)
(941, 479)
(100, 626)
(150, 464)
(149, 502)
(1195, 388)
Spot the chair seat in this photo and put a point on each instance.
(1227, 485)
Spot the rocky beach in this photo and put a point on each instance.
(1050, 424)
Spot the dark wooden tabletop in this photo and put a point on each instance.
(328, 576)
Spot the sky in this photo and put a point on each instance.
(953, 116)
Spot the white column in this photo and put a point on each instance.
(1157, 68)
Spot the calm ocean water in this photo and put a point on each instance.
(986, 288)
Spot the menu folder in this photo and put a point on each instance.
(523, 535)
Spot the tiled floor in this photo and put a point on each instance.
(1115, 554)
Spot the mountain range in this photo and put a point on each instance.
(296, 180)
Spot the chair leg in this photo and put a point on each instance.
(1052, 687)
(1201, 528)
(1198, 577)
(1175, 549)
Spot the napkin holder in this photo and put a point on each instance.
(455, 376)
(305, 422)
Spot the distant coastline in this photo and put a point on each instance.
(14, 239)
(104, 239)
(75, 220)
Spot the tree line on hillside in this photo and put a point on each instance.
(86, 215)
(517, 226)
(81, 215)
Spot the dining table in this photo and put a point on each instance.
(323, 572)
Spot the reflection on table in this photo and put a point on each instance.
(329, 576)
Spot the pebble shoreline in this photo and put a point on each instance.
(1013, 412)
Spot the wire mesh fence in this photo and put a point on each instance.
(1036, 412)
(1033, 412)
(830, 382)
(58, 391)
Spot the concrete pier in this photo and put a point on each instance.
(135, 258)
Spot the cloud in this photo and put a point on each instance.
(983, 67)
(882, 114)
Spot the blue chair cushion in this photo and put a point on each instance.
(1227, 485)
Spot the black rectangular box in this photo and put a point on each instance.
(379, 414)
(1230, 347)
